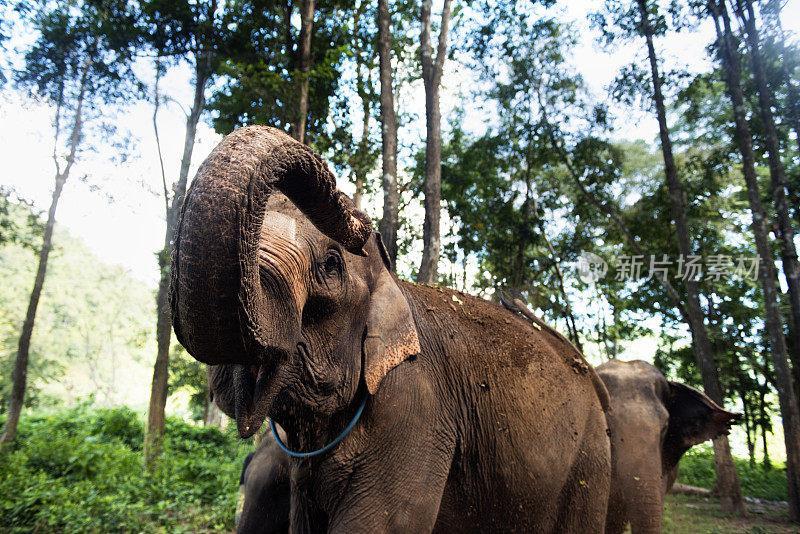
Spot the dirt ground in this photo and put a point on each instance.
(701, 515)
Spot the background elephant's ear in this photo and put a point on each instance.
(391, 335)
(694, 417)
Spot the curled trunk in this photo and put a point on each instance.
(218, 308)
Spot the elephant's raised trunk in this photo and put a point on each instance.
(215, 294)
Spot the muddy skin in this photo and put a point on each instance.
(476, 421)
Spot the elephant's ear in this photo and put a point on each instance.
(694, 417)
(391, 335)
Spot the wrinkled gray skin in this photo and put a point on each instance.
(653, 422)
(475, 421)
(266, 500)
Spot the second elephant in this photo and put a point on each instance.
(264, 490)
(652, 422)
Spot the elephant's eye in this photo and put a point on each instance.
(332, 263)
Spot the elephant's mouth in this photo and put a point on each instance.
(254, 396)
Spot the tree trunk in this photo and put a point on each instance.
(214, 416)
(748, 430)
(791, 266)
(766, 463)
(727, 484)
(365, 94)
(391, 200)
(432, 77)
(298, 128)
(154, 432)
(363, 146)
(615, 339)
(20, 374)
(727, 478)
(774, 320)
(793, 95)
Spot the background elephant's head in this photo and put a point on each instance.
(280, 282)
(652, 422)
(264, 502)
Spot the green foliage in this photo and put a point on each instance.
(19, 223)
(697, 469)
(80, 470)
(81, 44)
(187, 374)
(93, 326)
(177, 29)
(259, 78)
(501, 187)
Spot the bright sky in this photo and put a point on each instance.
(129, 229)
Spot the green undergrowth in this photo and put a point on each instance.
(697, 469)
(80, 470)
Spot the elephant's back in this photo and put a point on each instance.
(526, 455)
(529, 413)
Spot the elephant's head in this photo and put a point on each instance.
(653, 422)
(280, 283)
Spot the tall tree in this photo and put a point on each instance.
(391, 197)
(177, 30)
(432, 76)
(502, 188)
(364, 156)
(261, 76)
(727, 478)
(298, 127)
(79, 59)
(777, 173)
(710, 165)
(774, 321)
(771, 11)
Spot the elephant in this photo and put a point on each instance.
(264, 491)
(653, 422)
(464, 416)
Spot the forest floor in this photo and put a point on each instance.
(685, 514)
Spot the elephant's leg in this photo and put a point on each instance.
(305, 517)
(584, 498)
(616, 516)
(616, 525)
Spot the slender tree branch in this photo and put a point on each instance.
(158, 140)
(57, 125)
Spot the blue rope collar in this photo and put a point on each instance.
(327, 447)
